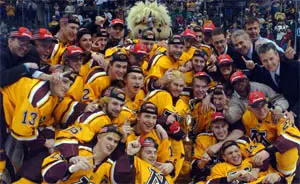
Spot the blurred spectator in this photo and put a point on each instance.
(70, 9)
(32, 14)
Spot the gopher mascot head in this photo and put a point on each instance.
(149, 15)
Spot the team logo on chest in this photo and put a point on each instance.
(156, 178)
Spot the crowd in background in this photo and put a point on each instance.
(83, 99)
(278, 18)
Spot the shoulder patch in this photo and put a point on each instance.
(87, 117)
(152, 93)
(97, 72)
(154, 60)
(39, 93)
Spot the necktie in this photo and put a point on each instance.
(277, 79)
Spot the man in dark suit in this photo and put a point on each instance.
(220, 44)
(245, 49)
(280, 74)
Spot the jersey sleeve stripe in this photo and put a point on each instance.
(292, 138)
(51, 165)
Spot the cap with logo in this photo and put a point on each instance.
(200, 53)
(217, 116)
(257, 99)
(197, 28)
(22, 33)
(70, 19)
(119, 56)
(134, 69)
(110, 128)
(236, 76)
(116, 93)
(148, 142)
(188, 33)
(224, 59)
(148, 107)
(228, 144)
(203, 75)
(116, 21)
(208, 27)
(43, 34)
(175, 39)
(73, 51)
(139, 48)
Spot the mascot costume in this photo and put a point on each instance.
(145, 15)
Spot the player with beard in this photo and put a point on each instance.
(237, 169)
(98, 79)
(108, 109)
(242, 88)
(90, 162)
(280, 138)
(220, 130)
(161, 65)
(67, 33)
(134, 80)
(140, 164)
(145, 126)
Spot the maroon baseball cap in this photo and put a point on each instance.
(74, 51)
(203, 75)
(22, 33)
(224, 59)
(116, 21)
(148, 142)
(43, 34)
(236, 76)
(139, 50)
(217, 116)
(208, 27)
(257, 99)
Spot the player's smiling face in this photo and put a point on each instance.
(118, 70)
(220, 129)
(176, 87)
(108, 143)
(61, 87)
(198, 64)
(200, 88)
(149, 154)
(114, 107)
(146, 122)
(232, 155)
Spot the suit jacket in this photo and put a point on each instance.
(289, 81)
(240, 63)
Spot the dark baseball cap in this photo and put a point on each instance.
(175, 39)
(22, 33)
